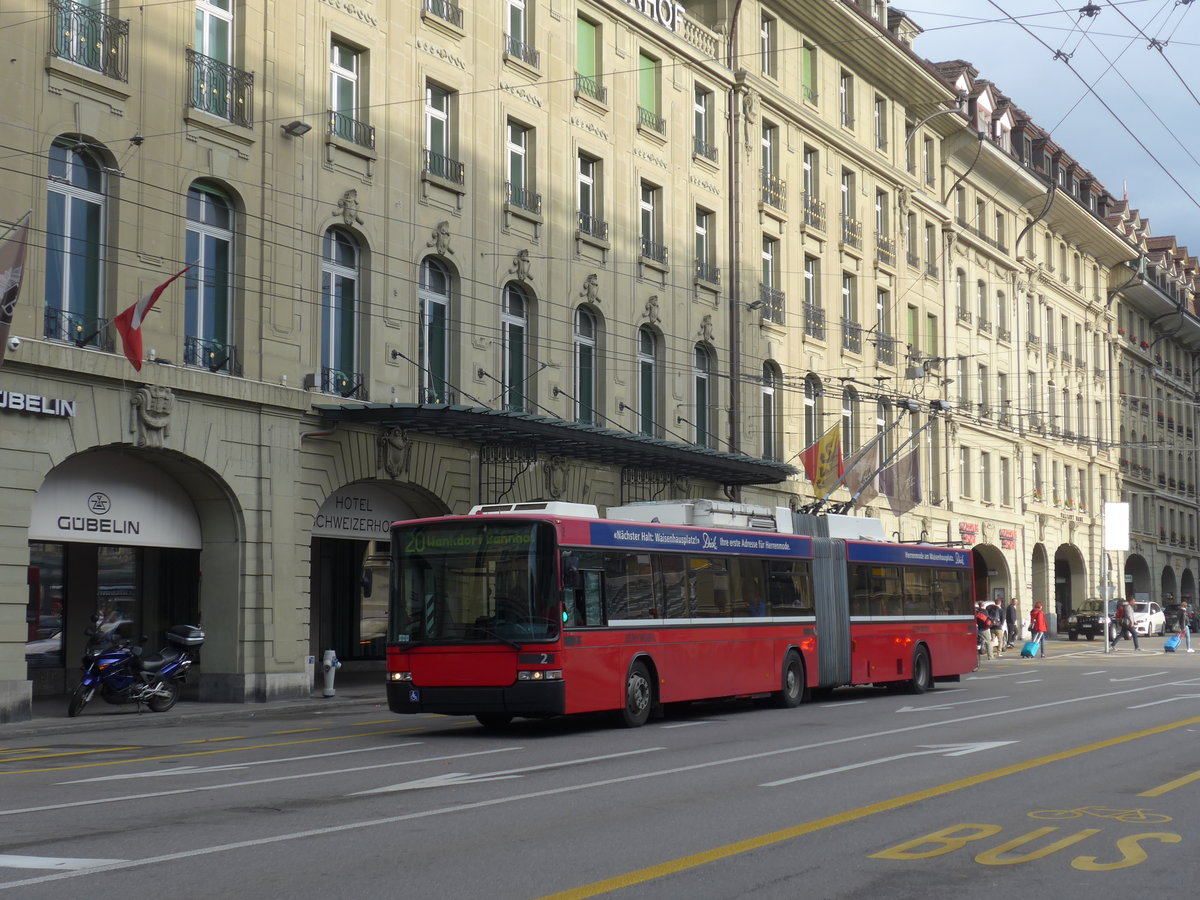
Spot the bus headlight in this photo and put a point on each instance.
(399, 676)
(540, 675)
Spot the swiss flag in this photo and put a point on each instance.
(129, 322)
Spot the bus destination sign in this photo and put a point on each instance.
(659, 537)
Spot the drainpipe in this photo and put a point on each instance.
(735, 293)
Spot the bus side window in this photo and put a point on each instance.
(586, 606)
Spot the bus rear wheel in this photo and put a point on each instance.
(638, 696)
(922, 672)
(792, 688)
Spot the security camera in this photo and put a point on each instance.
(14, 343)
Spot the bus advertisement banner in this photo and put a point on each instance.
(638, 535)
(908, 555)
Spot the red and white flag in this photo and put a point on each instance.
(129, 321)
(12, 270)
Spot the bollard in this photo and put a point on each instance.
(329, 665)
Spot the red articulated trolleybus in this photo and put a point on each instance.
(546, 609)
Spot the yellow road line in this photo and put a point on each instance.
(695, 860)
(1171, 785)
(64, 753)
(305, 730)
(142, 759)
(240, 737)
(376, 722)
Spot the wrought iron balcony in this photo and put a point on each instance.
(814, 211)
(89, 37)
(344, 384)
(524, 198)
(964, 316)
(913, 259)
(446, 10)
(444, 167)
(220, 89)
(654, 250)
(773, 303)
(706, 271)
(852, 232)
(593, 226)
(885, 250)
(774, 190)
(522, 50)
(885, 349)
(590, 86)
(703, 148)
(814, 321)
(851, 335)
(931, 269)
(214, 355)
(984, 325)
(82, 331)
(652, 120)
(349, 129)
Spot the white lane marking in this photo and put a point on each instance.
(689, 724)
(928, 750)
(54, 862)
(1005, 675)
(449, 779)
(1032, 681)
(532, 795)
(839, 704)
(1137, 677)
(948, 705)
(228, 767)
(1097, 672)
(1167, 700)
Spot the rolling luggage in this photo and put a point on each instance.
(1172, 643)
(1030, 650)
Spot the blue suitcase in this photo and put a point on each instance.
(1172, 643)
(1030, 650)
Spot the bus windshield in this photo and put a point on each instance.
(474, 581)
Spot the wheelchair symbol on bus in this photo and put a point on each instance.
(414, 696)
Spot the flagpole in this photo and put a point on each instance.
(12, 256)
(15, 225)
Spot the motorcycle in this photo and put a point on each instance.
(119, 671)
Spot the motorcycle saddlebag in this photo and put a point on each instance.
(185, 636)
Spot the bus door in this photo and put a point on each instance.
(584, 606)
(831, 593)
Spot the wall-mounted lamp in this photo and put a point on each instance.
(296, 129)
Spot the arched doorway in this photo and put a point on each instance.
(1168, 587)
(112, 534)
(992, 578)
(1137, 576)
(1070, 585)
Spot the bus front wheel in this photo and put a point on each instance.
(638, 696)
(922, 672)
(792, 688)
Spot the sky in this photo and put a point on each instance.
(1153, 92)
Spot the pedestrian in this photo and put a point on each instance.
(1125, 625)
(1037, 627)
(983, 630)
(1012, 617)
(995, 614)
(1185, 626)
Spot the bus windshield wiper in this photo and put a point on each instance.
(505, 640)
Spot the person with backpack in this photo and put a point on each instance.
(1185, 626)
(995, 626)
(1012, 617)
(983, 627)
(1125, 625)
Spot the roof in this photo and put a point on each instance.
(559, 437)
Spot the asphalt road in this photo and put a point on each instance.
(1073, 775)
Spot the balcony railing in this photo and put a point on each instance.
(931, 269)
(214, 355)
(983, 325)
(913, 259)
(220, 89)
(652, 120)
(593, 226)
(446, 10)
(773, 303)
(444, 167)
(810, 93)
(851, 335)
(344, 384)
(654, 250)
(814, 211)
(706, 271)
(703, 148)
(1003, 334)
(885, 250)
(90, 38)
(885, 349)
(814, 321)
(523, 50)
(590, 86)
(852, 231)
(523, 198)
(82, 331)
(350, 129)
(774, 190)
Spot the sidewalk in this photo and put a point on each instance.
(50, 713)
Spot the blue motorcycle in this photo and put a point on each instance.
(121, 673)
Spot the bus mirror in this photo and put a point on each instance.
(570, 571)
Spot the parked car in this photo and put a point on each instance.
(1171, 612)
(1148, 618)
(1087, 620)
